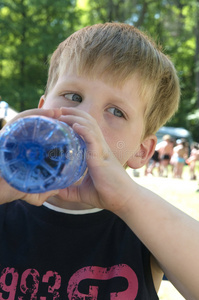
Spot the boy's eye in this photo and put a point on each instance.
(116, 112)
(73, 97)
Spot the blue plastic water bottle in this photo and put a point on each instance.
(39, 154)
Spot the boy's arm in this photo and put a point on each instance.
(170, 235)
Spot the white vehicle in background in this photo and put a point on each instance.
(176, 133)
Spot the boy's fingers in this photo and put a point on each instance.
(39, 199)
(9, 194)
(51, 113)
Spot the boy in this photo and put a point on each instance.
(104, 237)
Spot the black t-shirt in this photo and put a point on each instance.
(50, 255)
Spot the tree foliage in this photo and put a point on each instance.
(31, 29)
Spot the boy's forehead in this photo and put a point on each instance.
(97, 72)
(71, 71)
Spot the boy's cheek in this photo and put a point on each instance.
(123, 154)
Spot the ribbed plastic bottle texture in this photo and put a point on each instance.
(39, 154)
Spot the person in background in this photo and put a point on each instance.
(3, 112)
(192, 159)
(152, 163)
(3, 108)
(161, 156)
(180, 154)
(165, 150)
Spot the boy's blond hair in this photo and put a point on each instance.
(115, 52)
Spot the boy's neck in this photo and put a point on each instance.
(56, 201)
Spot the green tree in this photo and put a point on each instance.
(30, 31)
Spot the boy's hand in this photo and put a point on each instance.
(51, 113)
(9, 193)
(105, 184)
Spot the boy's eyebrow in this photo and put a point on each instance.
(62, 83)
(127, 105)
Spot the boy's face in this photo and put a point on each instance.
(118, 111)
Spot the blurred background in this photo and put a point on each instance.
(30, 30)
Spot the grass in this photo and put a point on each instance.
(182, 194)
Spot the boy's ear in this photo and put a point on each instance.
(41, 102)
(145, 152)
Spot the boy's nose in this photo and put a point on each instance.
(91, 109)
